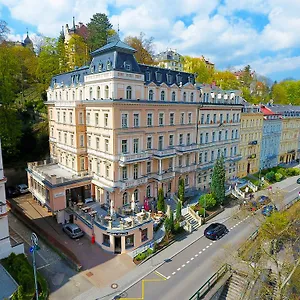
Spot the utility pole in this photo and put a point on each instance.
(33, 248)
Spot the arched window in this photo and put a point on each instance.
(125, 198)
(173, 96)
(67, 95)
(91, 93)
(162, 96)
(59, 95)
(73, 95)
(151, 95)
(80, 94)
(129, 93)
(106, 92)
(98, 92)
(55, 95)
(148, 193)
(136, 195)
(184, 97)
(192, 97)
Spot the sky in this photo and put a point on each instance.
(230, 33)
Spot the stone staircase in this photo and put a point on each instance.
(234, 288)
(189, 218)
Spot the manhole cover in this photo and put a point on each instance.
(114, 286)
(89, 274)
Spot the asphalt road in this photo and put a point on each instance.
(182, 276)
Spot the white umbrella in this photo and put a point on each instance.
(112, 211)
(132, 203)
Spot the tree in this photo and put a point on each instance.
(172, 221)
(98, 31)
(246, 77)
(77, 52)
(218, 181)
(3, 30)
(168, 227)
(144, 48)
(178, 211)
(226, 80)
(207, 201)
(198, 66)
(161, 201)
(279, 94)
(181, 190)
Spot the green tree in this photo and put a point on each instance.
(62, 54)
(99, 28)
(246, 77)
(226, 80)
(77, 52)
(172, 221)
(207, 201)
(178, 211)
(144, 48)
(161, 201)
(181, 190)
(3, 30)
(218, 180)
(279, 94)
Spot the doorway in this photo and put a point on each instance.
(248, 168)
(117, 245)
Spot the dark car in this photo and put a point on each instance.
(263, 200)
(12, 192)
(215, 230)
(73, 230)
(298, 180)
(268, 209)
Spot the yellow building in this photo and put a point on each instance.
(250, 141)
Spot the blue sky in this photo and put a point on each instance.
(230, 33)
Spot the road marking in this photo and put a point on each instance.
(168, 277)
(178, 269)
(214, 241)
(231, 228)
(44, 266)
(173, 273)
(188, 262)
(210, 244)
(203, 249)
(207, 246)
(161, 275)
(196, 255)
(192, 258)
(200, 252)
(183, 266)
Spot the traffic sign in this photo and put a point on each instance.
(34, 239)
(31, 249)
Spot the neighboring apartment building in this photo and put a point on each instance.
(119, 131)
(169, 59)
(290, 131)
(250, 141)
(271, 135)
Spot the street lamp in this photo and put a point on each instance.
(33, 248)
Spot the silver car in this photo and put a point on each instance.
(73, 230)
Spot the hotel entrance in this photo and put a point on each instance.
(117, 244)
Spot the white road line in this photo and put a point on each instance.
(183, 266)
(200, 252)
(161, 274)
(188, 262)
(207, 246)
(173, 273)
(178, 269)
(231, 228)
(192, 258)
(203, 249)
(214, 241)
(196, 255)
(41, 267)
(210, 244)
(168, 277)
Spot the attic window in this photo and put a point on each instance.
(78, 77)
(190, 79)
(72, 79)
(169, 78)
(158, 76)
(127, 66)
(108, 65)
(92, 68)
(148, 76)
(100, 66)
(178, 78)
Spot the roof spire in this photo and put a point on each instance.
(118, 28)
(27, 31)
(74, 23)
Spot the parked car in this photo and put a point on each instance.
(298, 180)
(268, 209)
(263, 200)
(12, 192)
(73, 230)
(22, 188)
(215, 230)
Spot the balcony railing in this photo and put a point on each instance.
(129, 158)
(132, 183)
(185, 169)
(165, 175)
(206, 165)
(187, 148)
(235, 158)
(164, 152)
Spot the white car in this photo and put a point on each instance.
(22, 188)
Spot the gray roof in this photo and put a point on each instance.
(7, 284)
(285, 110)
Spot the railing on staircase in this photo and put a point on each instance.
(194, 215)
(210, 282)
(235, 194)
(242, 194)
(252, 186)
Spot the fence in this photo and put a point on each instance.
(194, 215)
(253, 187)
(210, 282)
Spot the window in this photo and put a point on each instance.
(135, 171)
(227, 118)
(106, 92)
(205, 157)
(82, 163)
(67, 95)
(161, 119)
(128, 93)
(190, 118)
(186, 180)
(125, 196)
(151, 95)
(80, 95)
(89, 140)
(199, 178)
(108, 65)
(97, 143)
(71, 117)
(221, 118)
(192, 97)
(162, 96)
(129, 241)
(236, 133)
(149, 119)
(58, 117)
(160, 142)
(169, 78)
(180, 139)
(207, 119)
(225, 152)
(148, 77)
(233, 118)
(106, 145)
(81, 141)
(96, 119)
(213, 137)
(65, 138)
(237, 117)
(215, 118)
(202, 119)
(219, 153)
(98, 92)
(235, 150)
(148, 167)
(158, 76)
(59, 136)
(73, 95)
(171, 140)
(135, 145)
(188, 139)
(136, 121)
(107, 171)
(64, 117)
(200, 158)
(148, 191)
(220, 135)
(171, 118)
(136, 195)
(80, 118)
(182, 118)
(187, 160)
(91, 93)
(105, 120)
(90, 165)
(184, 96)
(171, 163)
(124, 148)
(226, 135)
(127, 66)
(201, 138)
(149, 142)
(173, 96)
(232, 134)
(124, 120)
(212, 157)
(88, 118)
(180, 161)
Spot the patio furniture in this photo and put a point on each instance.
(107, 218)
(85, 209)
(128, 221)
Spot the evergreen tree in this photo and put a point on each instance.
(161, 201)
(218, 181)
(178, 211)
(181, 190)
(99, 28)
(172, 221)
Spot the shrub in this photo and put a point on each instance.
(282, 171)
(143, 255)
(201, 212)
(161, 201)
(207, 201)
(270, 176)
(278, 177)
(178, 211)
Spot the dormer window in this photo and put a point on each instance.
(158, 77)
(178, 78)
(190, 79)
(127, 66)
(169, 78)
(73, 79)
(92, 68)
(100, 66)
(148, 76)
(78, 77)
(108, 65)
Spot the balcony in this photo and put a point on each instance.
(127, 184)
(187, 148)
(235, 158)
(207, 165)
(252, 156)
(252, 143)
(165, 175)
(164, 153)
(130, 158)
(185, 169)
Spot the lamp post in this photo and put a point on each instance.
(33, 248)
